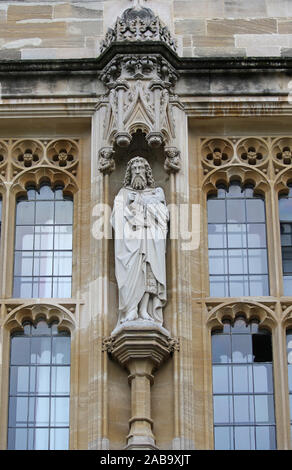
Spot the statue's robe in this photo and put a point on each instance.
(140, 219)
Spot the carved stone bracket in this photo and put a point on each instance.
(106, 160)
(140, 347)
(172, 162)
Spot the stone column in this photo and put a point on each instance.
(140, 346)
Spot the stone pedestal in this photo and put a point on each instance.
(140, 346)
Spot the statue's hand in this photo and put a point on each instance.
(131, 197)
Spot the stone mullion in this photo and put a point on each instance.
(184, 367)
(98, 306)
(282, 410)
(8, 234)
(273, 242)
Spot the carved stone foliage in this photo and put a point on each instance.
(138, 24)
(215, 153)
(267, 154)
(64, 154)
(23, 155)
(252, 151)
(27, 153)
(282, 153)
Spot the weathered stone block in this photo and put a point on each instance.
(212, 41)
(286, 52)
(187, 52)
(197, 27)
(219, 52)
(66, 10)
(225, 27)
(18, 13)
(267, 51)
(85, 28)
(263, 40)
(27, 30)
(244, 9)
(285, 27)
(10, 54)
(69, 41)
(198, 9)
(187, 41)
(278, 8)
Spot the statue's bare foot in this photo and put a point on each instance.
(132, 315)
(144, 316)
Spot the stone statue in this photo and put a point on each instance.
(140, 219)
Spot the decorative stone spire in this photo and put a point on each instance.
(138, 23)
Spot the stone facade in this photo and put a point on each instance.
(76, 29)
(205, 101)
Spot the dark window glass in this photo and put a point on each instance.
(39, 389)
(243, 394)
(238, 264)
(285, 212)
(43, 244)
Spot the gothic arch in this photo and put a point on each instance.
(282, 180)
(44, 174)
(249, 309)
(237, 172)
(34, 312)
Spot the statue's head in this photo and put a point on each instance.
(139, 174)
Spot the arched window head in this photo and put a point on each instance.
(285, 214)
(39, 388)
(43, 244)
(243, 394)
(238, 264)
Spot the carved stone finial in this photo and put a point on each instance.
(106, 161)
(138, 23)
(172, 162)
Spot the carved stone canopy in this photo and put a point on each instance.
(138, 24)
(140, 88)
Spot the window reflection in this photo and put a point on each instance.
(285, 213)
(43, 244)
(237, 243)
(243, 395)
(39, 389)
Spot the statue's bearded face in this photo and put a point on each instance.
(138, 175)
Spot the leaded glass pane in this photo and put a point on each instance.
(43, 244)
(285, 213)
(39, 389)
(243, 394)
(238, 264)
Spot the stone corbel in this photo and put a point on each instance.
(140, 347)
(172, 162)
(106, 160)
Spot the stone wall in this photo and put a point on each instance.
(73, 29)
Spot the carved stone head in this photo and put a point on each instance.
(139, 174)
